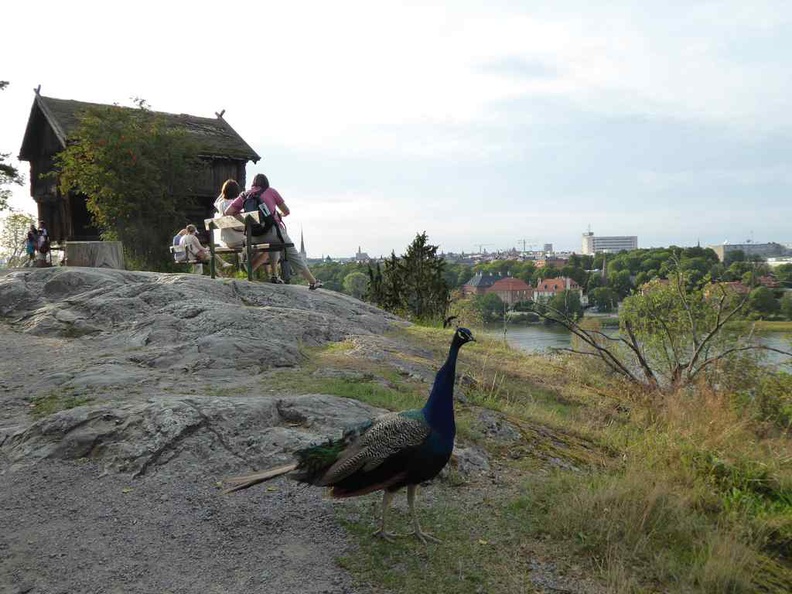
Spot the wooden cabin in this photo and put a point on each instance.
(53, 120)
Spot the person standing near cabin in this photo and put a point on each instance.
(278, 208)
(31, 242)
(43, 243)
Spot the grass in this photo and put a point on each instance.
(691, 493)
(774, 325)
(48, 404)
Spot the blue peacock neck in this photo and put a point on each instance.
(439, 409)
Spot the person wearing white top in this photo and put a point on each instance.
(227, 237)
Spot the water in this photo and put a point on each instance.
(533, 338)
(536, 338)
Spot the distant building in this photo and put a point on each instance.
(773, 262)
(763, 250)
(550, 287)
(479, 284)
(362, 257)
(511, 290)
(548, 248)
(731, 287)
(551, 261)
(612, 245)
(303, 255)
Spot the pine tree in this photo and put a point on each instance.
(413, 285)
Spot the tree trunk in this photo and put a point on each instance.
(95, 254)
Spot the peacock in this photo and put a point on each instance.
(384, 454)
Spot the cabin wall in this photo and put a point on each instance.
(216, 172)
(208, 186)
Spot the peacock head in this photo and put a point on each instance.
(462, 336)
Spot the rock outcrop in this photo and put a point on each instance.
(148, 353)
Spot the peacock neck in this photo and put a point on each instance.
(439, 409)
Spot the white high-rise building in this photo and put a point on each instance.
(612, 245)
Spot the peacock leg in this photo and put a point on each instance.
(417, 532)
(387, 497)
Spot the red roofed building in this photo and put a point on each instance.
(550, 287)
(511, 290)
(769, 281)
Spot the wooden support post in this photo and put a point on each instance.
(212, 266)
(248, 242)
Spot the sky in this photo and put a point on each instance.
(488, 125)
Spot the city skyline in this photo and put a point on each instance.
(496, 124)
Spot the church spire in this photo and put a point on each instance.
(302, 245)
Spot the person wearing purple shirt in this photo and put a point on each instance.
(277, 206)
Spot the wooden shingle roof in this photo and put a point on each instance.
(215, 137)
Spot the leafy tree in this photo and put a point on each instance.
(490, 307)
(12, 238)
(466, 310)
(9, 175)
(356, 284)
(576, 273)
(137, 173)
(670, 334)
(762, 302)
(501, 267)
(594, 281)
(332, 274)
(544, 272)
(783, 274)
(567, 303)
(457, 275)
(603, 298)
(619, 281)
(524, 271)
(732, 256)
(696, 270)
(786, 305)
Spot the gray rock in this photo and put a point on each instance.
(493, 425)
(472, 460)
(207, 435)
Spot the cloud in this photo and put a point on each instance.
(477, 123)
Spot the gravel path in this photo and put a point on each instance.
(66, 528)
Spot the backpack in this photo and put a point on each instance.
(254, 203)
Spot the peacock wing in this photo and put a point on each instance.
(388, 435)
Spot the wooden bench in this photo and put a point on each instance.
(180, 256)
(244, 222)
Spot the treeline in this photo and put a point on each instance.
(605, 278)
(412, 285)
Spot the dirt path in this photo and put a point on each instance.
(66, 528)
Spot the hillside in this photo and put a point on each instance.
(125, 398)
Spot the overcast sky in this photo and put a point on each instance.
(481, 123)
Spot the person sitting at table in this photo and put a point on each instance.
(277, 207)
(192, 245)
